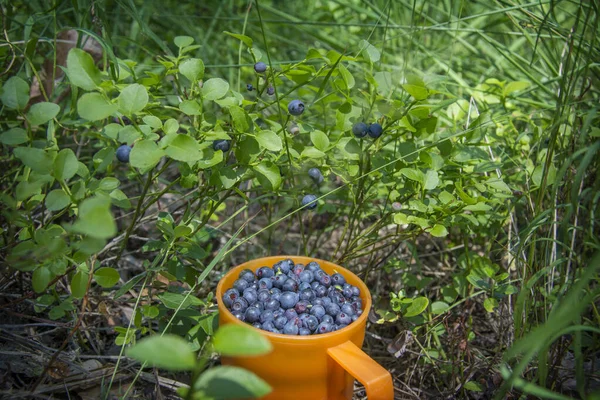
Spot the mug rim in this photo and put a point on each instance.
(308, 338)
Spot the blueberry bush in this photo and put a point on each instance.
(445, 153)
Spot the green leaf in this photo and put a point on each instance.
(373, 55)
(320, 140)
(229, 382)
(498, 184)
(128, 134)
(490, 304)
(514, 87)
(269, 140)
(192, 68)
(79, 284)
(538, 174)
(246, 39)
(183, 41)
(119, 199)
(178, 300)
(473, 386)
(109, 184)
(41, 278)
(65, 165)
(439, 307)
(94, 107)
(171, 126)
(268, 175)
(15, 93)
(417, 306)
(40, 113)
(227, 176)
(184, 148)
(25, 189)
(169, 351)
(57, 200)
(132, 99)
(210, 158)
(14, 136)
(311, 152)
(82, 71)
(431, 180)
(347, 76)
(190, 107)
(383, 79)
(106, 277)
(145, 155)
(438, 231)
(240, 119)
(37, 159)
(95, 219)
(239, 340)
(214, 88)
(413, 174)
(152, 121)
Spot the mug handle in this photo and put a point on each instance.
(376, 379)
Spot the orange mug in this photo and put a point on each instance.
(313, 367)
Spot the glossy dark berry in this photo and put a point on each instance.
(375, 130)
(266, 315)
(123, 153)
(297, 270)
(289, 299)
(311, 322)
(264, 272)
(327, 318)
(360, 129)
(265, 283)
(316, 175)
(307, 294)
(313, 266)
(239, 315)
(296, 107)
(289, 285)
(301, 306)
(270, 90)
(290, 313)
(347, 309)
(249, 87)
(318, 311)
(304, 332)
(263, 295)
(310, 201)
(252, 314)
(272, 305)
(280, 322)
(306, 276)
(279, 280)
(240, 304)
(284, 266)
(343, 318)
(247, 275)
(221, 144)
(338, 279)
(251, 295)
(291, 328)
(324, 280)
(240, 285)
(260, 67)
(333, 309)
(324, 327)
(229, 297)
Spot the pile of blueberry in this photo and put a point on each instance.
(294, 299)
